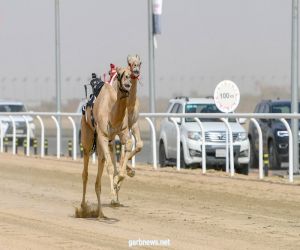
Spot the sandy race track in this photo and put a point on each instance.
(186, 210)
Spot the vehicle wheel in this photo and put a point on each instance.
(243, 169)
(253, 157)
(182, 161)
(274, 162)
(162, 155)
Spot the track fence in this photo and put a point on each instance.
(150, 118)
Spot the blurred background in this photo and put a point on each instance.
(202, 43)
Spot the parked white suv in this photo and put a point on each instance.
(7, 128)
(190, 136)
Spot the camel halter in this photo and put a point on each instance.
(124, 91)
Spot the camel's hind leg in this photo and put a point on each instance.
(138, 147)
(101, 162)
(115, 198)
(87, 136)
(111, 170)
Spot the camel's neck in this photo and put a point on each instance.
(133, 92)
(119, 109)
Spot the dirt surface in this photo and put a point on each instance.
(191, 210)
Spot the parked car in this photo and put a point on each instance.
(275, 135)
(190, 136)
(21, 129)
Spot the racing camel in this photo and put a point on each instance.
(109, 111)
(134, 62)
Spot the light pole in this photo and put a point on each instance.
(151, 58)
(294, 84)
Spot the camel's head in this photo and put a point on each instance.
(124, 82)
(134, 62)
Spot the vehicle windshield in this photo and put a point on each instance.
(12, 108)
(204, 108)
(282, 108)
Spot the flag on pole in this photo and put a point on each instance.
(157, 11)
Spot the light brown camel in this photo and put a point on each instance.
(134, 62)
(110, 109)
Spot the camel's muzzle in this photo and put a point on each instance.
(127, 86)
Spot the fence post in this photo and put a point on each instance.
(57, 137)
(177, 143)
(14, 134)
(291, 169)
(28, 136)
(260, 148)
(266, 164)
(230, 146)
(25, 145)
(42, 136)
(153, 142)
(74, 138)
(17, 144)
(35, 144)
(5, 144)
(46, 147)
(203, 145)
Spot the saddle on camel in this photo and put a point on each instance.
(108, 110)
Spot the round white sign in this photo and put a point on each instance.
(227, 96)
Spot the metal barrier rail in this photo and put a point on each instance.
(197, 116)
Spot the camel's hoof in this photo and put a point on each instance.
(84, 205)
(101, 216)
(115, 203)
(130, 172)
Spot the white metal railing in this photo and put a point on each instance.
(252, 116)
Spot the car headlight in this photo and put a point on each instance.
(282, 133)
(242, 136)
(194, 135)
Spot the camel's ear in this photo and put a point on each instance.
(118, 69)
(139, 59)
(129, 57)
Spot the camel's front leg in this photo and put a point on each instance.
(115, 198)
(125, 139)
(138, 140)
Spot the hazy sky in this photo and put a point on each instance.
(203, 42)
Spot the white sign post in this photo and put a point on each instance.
(227, 98)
